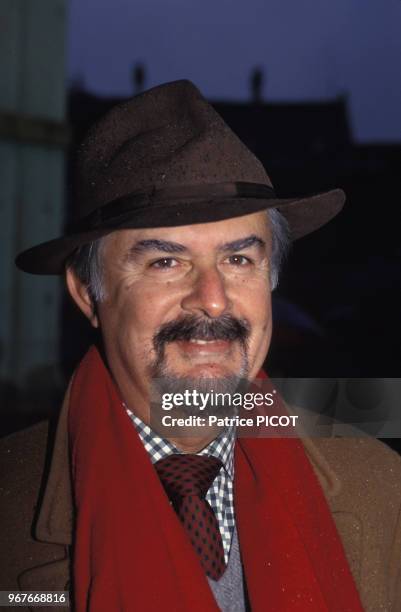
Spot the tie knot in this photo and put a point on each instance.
(183, 475)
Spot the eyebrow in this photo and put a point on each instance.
(157, 245)
(166, 246)
(243, 243)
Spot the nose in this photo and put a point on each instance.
(208, 295)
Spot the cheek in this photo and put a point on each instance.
(256, 302)
(137, 311)
(261, 333)
(259, 313)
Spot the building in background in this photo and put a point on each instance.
(33, 139)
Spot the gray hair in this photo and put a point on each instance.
(86, 260)
(281, 242)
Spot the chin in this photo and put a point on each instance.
(196, 365)
(212, 370)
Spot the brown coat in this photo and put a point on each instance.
(361, 479)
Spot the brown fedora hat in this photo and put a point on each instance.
(166, 158)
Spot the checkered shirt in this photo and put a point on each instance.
(220, 495)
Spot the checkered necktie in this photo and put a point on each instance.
(186, 479)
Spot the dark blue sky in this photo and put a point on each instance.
(310, 49)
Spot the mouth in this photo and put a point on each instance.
(198, 347)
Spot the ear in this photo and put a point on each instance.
(80, 294)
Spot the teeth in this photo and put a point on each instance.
(201, 341)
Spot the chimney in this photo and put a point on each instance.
(256, 83)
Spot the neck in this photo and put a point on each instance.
(193, 444)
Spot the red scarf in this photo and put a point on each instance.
(131, 552)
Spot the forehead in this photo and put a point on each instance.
(199, 237)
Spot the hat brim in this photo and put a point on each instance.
(304, 215)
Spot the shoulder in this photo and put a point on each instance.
(22, 459)
(20, 447)
(360, 475)
(361, 466)
(366, 464)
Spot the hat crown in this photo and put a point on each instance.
(167, 136)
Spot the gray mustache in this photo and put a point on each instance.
(188, 328)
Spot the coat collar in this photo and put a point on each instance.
(55, 521)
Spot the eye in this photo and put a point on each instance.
(165, 263)
(239, 260)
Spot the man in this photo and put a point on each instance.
(173, 258)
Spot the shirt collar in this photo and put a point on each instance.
(221, 447)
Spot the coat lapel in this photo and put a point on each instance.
(55, 519)
(348, 524)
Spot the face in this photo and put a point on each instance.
(189, 302)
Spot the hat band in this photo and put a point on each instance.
(112, 211)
